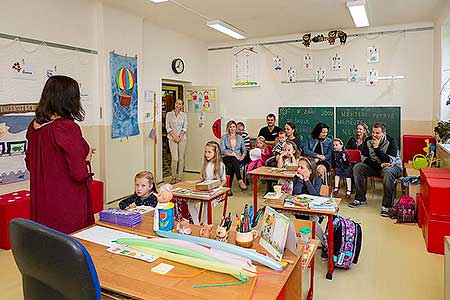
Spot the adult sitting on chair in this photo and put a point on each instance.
(380, 157)
(319, 147)
(233, 151)
(269, 132)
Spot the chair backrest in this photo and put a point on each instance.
(53, 264)
(354, 156)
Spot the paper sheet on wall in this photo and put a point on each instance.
(246, 68)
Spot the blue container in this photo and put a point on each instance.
(167, 217)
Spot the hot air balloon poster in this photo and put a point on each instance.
(125, 95)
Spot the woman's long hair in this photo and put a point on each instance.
(318, 129)
(61, 97)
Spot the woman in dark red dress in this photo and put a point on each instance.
(57, 158)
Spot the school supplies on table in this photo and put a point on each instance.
(126, 251)
(311, 202)
(198, 193)
(244, 222)
(120, 217)
(277, 232)
(272, 196)
(143, 209)
(207, 185)
(297, 201)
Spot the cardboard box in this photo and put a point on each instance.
(207, 185)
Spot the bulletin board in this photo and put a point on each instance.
(202, 100)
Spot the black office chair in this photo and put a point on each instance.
(54, 266)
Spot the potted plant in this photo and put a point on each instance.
(443, 131)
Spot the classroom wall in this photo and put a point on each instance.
(100, 26)
(408, 54)
(442, 62)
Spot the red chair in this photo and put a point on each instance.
(354, 156)
(224, 200)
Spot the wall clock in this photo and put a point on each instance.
(178, 66)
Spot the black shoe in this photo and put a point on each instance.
(324, 254)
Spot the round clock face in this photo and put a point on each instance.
(178, 65)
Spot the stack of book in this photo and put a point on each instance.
(322, 203)
(208, 193)
(120, 217)
(297, 201)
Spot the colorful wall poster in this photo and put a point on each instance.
(125, 95)
(13, 144)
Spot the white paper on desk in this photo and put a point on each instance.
(104, 236)
(291, 240)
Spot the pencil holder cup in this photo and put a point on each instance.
(245, 239)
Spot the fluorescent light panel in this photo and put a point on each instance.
(159, 1)
(358, 12)
(227, 29)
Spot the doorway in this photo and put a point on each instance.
(170, 94)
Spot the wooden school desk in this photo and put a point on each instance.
(134, 278)
(208, 200)
(278, 204)
(264, 172)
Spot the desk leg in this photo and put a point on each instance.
(330, 247)
(255, 194)
(311, 263)
(225, 203)
(209, 212)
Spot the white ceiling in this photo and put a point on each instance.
(261, 18)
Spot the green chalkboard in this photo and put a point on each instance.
(348, 117)
(305, 118)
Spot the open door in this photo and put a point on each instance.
(202, 108)
(170, 94)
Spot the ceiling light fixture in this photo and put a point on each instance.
(358, 11)
(159, 1)
(227, 29)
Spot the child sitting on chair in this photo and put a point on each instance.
(143, 192)
(340, 161)
(258, 155)
(213, 167)
(289, 157)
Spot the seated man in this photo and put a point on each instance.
(380, 157)
(270, 132)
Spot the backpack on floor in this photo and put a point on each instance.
(404, 211)
(347, 242)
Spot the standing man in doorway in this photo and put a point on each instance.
(270, 132)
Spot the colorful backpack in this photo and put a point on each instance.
(347, 242)
(404, 211)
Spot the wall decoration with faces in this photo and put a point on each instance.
(373, 54)
(336, 63)
(277, 63)
(321, 75)
(353, 74)
(372, 77)
(291, 74)
(307, 62)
